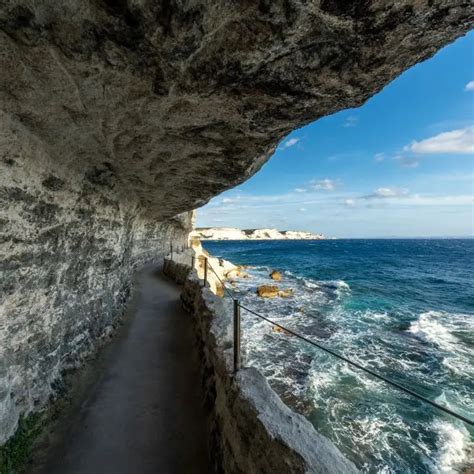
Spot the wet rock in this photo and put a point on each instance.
(268, 291)
(275, 275)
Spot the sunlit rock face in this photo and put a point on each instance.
(116, 116)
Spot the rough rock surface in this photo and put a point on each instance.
(252, 431)
(175, 101)
(68, 248)
(116, 116)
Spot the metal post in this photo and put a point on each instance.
(236, 336)
(192, 261)
(205, 271)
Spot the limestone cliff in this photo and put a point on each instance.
(231, 233)
(116, 116)
(68, 248)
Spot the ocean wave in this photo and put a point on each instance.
(335, 284)
(453, 446)
(310, 284)
(429, 328)
(446, 331)
(442, 328)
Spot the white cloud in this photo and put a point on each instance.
(379, 157)
(326, 184)
(390, 192)
(349, 202)
(469, 86)
(302, 209)
(383, 193)
(300, 190)
(456, 141)
(351, 121)
(290, 142)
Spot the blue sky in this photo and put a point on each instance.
(400, 165)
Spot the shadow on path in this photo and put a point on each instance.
(143, 414)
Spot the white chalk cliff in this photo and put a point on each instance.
(231, 233)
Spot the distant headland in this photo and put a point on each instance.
(231, 233)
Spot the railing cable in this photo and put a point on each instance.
(361, 367)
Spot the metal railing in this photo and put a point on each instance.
(237, 307)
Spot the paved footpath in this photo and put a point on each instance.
(144, 413)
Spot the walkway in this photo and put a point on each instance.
(144, 414)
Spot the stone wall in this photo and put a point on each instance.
(68, 245)
(251, 430)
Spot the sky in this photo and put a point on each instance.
(402, 165)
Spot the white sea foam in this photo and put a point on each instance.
(442, 329)
(453, 444)
(337, 284)
(310, 284)
(429, 328)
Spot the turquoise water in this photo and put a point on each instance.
(402, 307)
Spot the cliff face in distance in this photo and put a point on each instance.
(117, 116)
(230, 233)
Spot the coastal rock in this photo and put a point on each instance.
(117, 118)
(237, 272)
(275, 275)
(271, 291)
(268, 291)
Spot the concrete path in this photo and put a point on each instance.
(144, 413)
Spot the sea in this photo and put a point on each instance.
(403, 308)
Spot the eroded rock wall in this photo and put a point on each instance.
(69, 243)
(182, 99)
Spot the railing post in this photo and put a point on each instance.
(205, 271)
(236, 336)
(192, 261)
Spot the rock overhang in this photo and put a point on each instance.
(170, 103)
